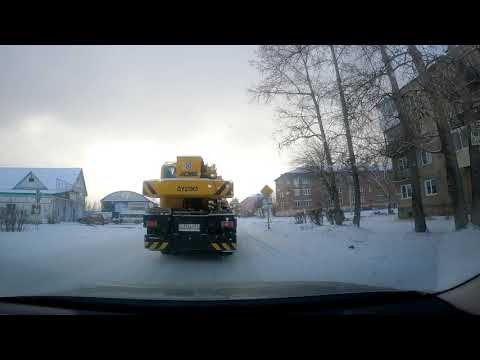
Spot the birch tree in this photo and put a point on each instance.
(291, 76)
(454, 178)
(455, 84)
(406, 129)
(348, 135)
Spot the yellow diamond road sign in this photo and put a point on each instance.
(266, 190)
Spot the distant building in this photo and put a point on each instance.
(235, 206)
(126, 205)
(62, 197)
(250, 205)
(301, 189)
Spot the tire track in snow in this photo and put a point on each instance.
(271, 250)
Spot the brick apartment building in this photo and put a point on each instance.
(301, 189)
(431, 165)
(250, 205)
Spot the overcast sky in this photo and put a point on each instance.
(119, 112)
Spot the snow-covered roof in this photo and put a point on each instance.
(55, 179)
(298, 170)
(125, 196)
(295, 171)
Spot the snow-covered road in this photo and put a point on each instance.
(384, 252)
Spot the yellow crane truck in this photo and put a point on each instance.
(194, 214)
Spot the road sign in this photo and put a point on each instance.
(266, 191)
(267, 204)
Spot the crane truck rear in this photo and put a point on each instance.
(194, 215)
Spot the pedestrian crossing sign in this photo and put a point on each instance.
(266, 191)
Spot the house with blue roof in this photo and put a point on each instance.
(62, 192)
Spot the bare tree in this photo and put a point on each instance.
(379, 173)
(310, 156)
(454, 178)
(407, 133)
(12, 220)
(453, 86)
(291, 75)
(441, 85)
(92, 205)
(466, 73)
(348, 135)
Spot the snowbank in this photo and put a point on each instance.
(385, 251)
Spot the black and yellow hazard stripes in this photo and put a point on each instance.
(161, 245)
(224, 246)
(225, 190)
(156, 245)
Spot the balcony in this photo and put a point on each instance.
(402, 174)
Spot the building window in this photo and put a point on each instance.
(406, 191)
(303, 203)
(475, 137)
(460, 138)
(307, 191)
(425, 158)
(431, 187)
(402, 163)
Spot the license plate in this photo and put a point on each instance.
(188, 227)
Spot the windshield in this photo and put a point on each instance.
(331, 169)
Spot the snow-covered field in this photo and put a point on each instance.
(385, 251)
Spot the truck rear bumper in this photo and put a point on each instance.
(186, 244)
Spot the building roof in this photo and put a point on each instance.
(252, 202)
(55, 180)
(295, 171)
(338, 172)
(126, 196)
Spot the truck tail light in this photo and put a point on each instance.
(229, 224)
(151, 223)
